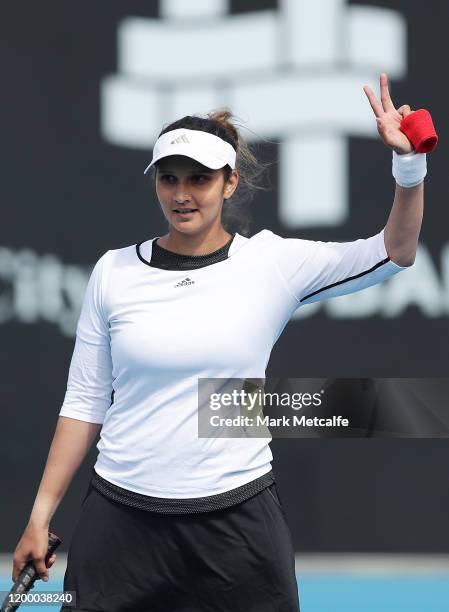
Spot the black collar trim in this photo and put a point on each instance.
(168, 260)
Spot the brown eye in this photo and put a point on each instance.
(200, 178)
(167, 178)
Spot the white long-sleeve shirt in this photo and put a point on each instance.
(147, 334)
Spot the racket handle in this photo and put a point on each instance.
(29, 575)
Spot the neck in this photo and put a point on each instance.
(194, 244)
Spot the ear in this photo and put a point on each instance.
(231, 184)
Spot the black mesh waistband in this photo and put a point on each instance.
(181, 506)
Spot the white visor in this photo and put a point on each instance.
(207, 149)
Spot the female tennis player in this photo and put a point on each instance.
(171, 521)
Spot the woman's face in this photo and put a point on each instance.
(183, 183)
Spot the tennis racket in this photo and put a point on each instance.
(28, 576)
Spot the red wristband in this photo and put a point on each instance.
(419, 129)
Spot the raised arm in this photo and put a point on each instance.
(404, 223)
(315, 270)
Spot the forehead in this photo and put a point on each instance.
(181, 163)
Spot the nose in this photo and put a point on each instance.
(180, 195)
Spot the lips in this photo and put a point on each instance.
(184, 211)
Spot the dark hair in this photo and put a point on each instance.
(235, 215)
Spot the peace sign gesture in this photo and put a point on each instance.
(388, 118)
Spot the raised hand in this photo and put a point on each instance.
(389, 118)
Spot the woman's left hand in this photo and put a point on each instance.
(388, 118)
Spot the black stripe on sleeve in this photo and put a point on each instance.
(345, 280)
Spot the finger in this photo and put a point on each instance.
(41, 568)
(375, 105)
(387, 102)
(405, 110)
(19, 562)
(17, 568)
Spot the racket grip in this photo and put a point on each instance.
(29, 575)
(53, 542)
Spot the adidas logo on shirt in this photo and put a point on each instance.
(179, 139)
(186, 281)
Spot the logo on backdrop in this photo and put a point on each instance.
(197, 57)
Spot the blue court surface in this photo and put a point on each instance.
(336, 593)
(356, 593)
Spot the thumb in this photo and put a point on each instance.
(405, 110)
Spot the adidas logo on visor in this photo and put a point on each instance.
(179, 139)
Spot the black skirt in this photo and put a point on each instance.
(238, 559)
